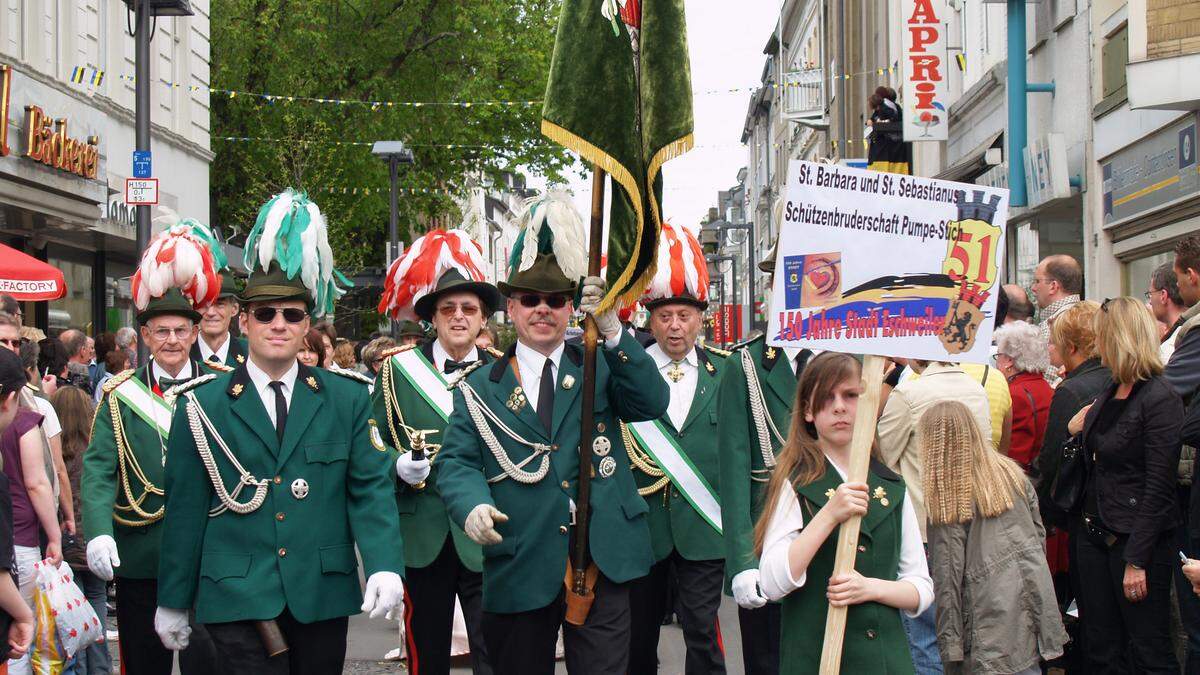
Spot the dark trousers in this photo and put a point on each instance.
(699, 596)
(429, 613)
(317, 648)
(523, 643)
(1189, 603)
(142, 653)
(1122, 636)
(760, 639)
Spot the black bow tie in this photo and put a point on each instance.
(451, 365)
(165, 383)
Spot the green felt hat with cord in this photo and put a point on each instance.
(550, 254)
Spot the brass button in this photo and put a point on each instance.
(562, 529)
(279, 516)
(566, 485)
(278, 480)
(870, 634)
(862, 549)
(600, 427)
(282, 552)
(554, 448)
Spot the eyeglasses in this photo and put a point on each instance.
(449, 309)
(290, 314)
(163, 334)
(15, 343)
(532, 300)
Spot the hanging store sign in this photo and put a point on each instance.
(1153, 173)
(47, 142)
(925, 86)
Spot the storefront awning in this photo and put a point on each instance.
(976, 162)
(27, 278)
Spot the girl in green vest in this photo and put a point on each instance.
(806, 501)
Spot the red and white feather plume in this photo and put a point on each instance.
(176, 258)
(682, 270)
(416, 272)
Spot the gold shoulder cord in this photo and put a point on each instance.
(127, 462)
(645, 463)
(416, 437)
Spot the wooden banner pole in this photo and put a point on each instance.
(847, 542)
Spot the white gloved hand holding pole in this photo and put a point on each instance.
(385, 593)
(745, 590)
(172, 627)
(481, 525)
(102, 556)
(593, 291)
(412, 471)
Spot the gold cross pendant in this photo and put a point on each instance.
(675, 372)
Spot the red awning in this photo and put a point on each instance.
(27, 278)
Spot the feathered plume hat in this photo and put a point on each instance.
(167, 218)
(177, 274)
(288, 255)
(440, 262)
(682, 272)
(550, 254)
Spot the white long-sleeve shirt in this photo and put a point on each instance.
(787, 520)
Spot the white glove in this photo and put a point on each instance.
(102, 556)
(745, 590)
(385, 593)
(593, 291)
(412, 471)
(481, 525)
(172, 627)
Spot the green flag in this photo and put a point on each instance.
(620, 95)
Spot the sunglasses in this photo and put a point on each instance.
(532, 300)
(290, 314)
(449, 310)
(12, 342)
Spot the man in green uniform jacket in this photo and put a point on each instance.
(412, 403)
(509, 473)
(121, 488)
(217, 343)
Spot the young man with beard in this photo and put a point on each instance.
(677, 462)
(412, 402)
(217, 343)
(274, 476)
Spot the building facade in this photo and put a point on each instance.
(67, 132)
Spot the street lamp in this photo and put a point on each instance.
(715, 259)
(144, 10)
(721, 227)
(395, 154)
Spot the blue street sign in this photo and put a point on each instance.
(141, 164)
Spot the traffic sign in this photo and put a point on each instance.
(141, 191)
(141, 164)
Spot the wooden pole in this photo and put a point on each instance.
(847, 542)
(579, 552)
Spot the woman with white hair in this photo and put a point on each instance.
(1022, 355)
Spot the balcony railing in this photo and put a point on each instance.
(804, 93)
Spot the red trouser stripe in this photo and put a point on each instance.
(410, 643)
(720, 641)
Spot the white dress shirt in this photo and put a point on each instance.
(530, 363)
(792, 352)
(440, 355)
(262, 384)
(787, 520)
(159, 372)
(682, 391)
(222, 352)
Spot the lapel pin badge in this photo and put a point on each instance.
(311, 382)
(237, 389)
(568, 382)
(881, 495)
(608, 466)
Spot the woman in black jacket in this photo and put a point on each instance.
(1131, 441)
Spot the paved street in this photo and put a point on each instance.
(369, 640)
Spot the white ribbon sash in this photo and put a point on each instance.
(148, 406)
(661, 445)
(428, 382)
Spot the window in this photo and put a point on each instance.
(1114, 56)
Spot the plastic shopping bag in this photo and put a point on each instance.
(46, 654)
(73, 621)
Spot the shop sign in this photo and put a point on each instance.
(5, 86)
(49, 144)
(924, 67)
(1046, 169)
(1152, 173)
(120, 213)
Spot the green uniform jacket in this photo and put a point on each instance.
(526, 570)
(102, 488)
(744, 475)
(297, 549)
(674, 524)
(875, 640)
(424, 522)
(238, 351)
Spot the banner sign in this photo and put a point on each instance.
(887, 264)
(924, 68)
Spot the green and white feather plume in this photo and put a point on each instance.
(551, 220)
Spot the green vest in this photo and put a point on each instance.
(115, 499)
(744, 474)
(875, 640)
(329, 487)
(424, 522)
(674, 523)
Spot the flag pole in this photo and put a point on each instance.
(580, 559)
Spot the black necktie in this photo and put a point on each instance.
(545, 408)
(451, 365)
(801, 361)
(280, 409)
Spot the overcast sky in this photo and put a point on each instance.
(726, 41)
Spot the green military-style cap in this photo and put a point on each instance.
(231, 285)
(274, 286)
(544, 276)
(410, 329)
(453, 281)
(170, 303)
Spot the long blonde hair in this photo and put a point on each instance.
(1127, 341)
(801, 460)
(962, 472)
